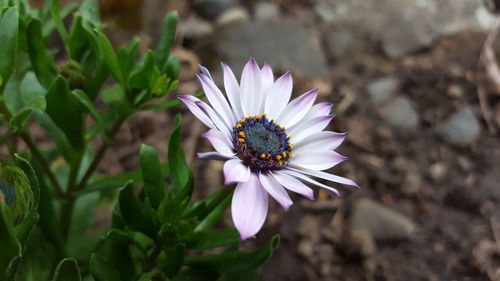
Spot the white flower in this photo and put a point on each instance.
(270, 145)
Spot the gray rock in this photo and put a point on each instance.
(266, 11)
(381, 89)
(285, 46)
(194, 28)
(381, 222)
(338, 42)
(461, 128)
(211, 9)
(407, 37)
(399, 113)
(233, 16)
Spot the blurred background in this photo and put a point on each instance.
(414, 82)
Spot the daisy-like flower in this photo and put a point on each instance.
(270, 145)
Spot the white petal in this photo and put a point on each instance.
(219, 142)
(307, 128)
(267, 77)
(317, 160)
(216, 119)
(217, 99)
(205, 71)
(327, 176)
(235, 171)
(278, 96)
(250, 88)
(275, 189)
(309, 180)
(293, 184)
(319, 109)
(190, 102)
(232, 90)
(324, 140)
(249, 207)
(214, 156)
(297, 109)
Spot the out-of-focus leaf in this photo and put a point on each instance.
(235, 262)
(213, 238)
(90, 11)
(85, 101)
(12, 96)
(154, 184)
(40, 58)
(19, 118)
(167, 38)
(191, 274)
(135, 214)
(175, 256)
(32, 92)
(9, 27)
(64, 111)
(180, 173)
(140, 77)
(113, 94)
(9, 246)
(111, 59)
(65, 11)
(58, 136)
(214, 216)
(67, 270)
(56, 17)
(115, 249)
(241, 276)
(172, 68)
(102, 270)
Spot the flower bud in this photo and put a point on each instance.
(73, 72)
(15, 192)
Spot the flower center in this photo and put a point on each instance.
(262, 144)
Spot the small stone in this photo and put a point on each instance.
(211, 9)
(381, 89)
(381, 222)
(266, 11)
(437, 171)
(399, 113)
(194, 28)
(233, 16)
(396, 42)
(338, 42)
(461, 128)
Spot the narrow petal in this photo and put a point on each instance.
(250, 88)
(297, 109)
(219, 142)
(249, 207)
(232, 90)
(319, 109)
(214, 156)
(217, 99)
(293, 184)
(267, 77)
(216, 119)
(235, 171)
(309, 127)
(327, 176)
(275, 189)
(317, 160)
(311, 181)
(324, 140)
(190, 103)
(278, 96)
(205, 71)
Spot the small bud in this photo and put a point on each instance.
(73, 72)
(15, 192)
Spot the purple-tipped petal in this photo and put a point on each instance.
(293, 184)
(267, 77)
(219, 142)
(216, 119)
(317, 160)
(324, 140)
(190, 103)
(205, 71)
(235, 171)
(311, 181)
(275, 189)
(327, 176)
(232, 90)
(307, 128)
(317, 110)
(217, 99)
(250, 88)
(297, 109)
(213, 156)
(249, 207)
(278, 96)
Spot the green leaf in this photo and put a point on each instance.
(111, 59)
(64, 111)
(136, 215)
(214, 216)
(85, 101)
(12, 96)
(167, 38)
(102, 270)
(172, 68)
(113, 94)
(57, 135)
(40, 58)
(115, 249)
(250, 275)
(20, 118)
(50, 25)
(180, 173)
(191, 274)
(154, 184)
(67, 270)
(32, 92)
(235, 262)
(9, 246)
(78, 38)
(140, 77)
(90, 11)
(213, 238)
(56, 16)
(175, 256)
(9, 26)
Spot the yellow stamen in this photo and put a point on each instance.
(241, 140)
(242, 134)
(268, 155)
(238, 126)
(257, 117)
(278, 157)
(262, 156)
(283, 154)
(280, 163)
